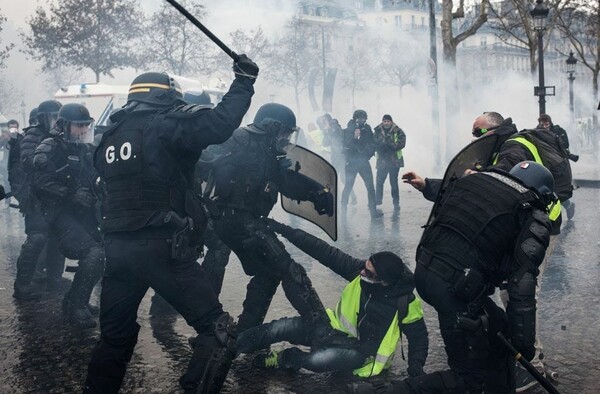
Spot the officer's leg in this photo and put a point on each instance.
(37, 236)
(289, 329)
(121, 295)
(216, 258)
(76, 242)
(185, 285)
(55, 263)
(350, 178)
(382, 173)
(394, 171)
(259, 293)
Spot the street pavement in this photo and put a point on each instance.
(40, 354)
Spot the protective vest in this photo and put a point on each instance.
(485, 225)
(318, 137)
(133, 193)
(345, 318)
(553, 208)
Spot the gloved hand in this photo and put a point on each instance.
(526, 351)
(284, 163)
(245, 67)
(573, 157)
(323, 201)
(415, 370)
(84, 197)
(2, 193)
(277, 227)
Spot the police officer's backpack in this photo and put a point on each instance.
(555, 158)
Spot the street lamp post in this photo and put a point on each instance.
(23, 107)
(539, 14)
(571, 62)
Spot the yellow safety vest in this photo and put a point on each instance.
(345, 319)
(553, 208)
(317, 136)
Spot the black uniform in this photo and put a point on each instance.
(152, 222)
(358, 151)
(63, 173)
(488, 228)
(248, 181)
(36, 227)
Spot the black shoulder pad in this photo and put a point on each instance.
(118, 115)
(187, 111)
(46, 145)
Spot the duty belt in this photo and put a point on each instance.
(444, 269)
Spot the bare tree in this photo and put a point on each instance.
(449, 40)
(399, 61)
(293, 58)
(61, 77)
(357, 71)
(4, 51)
(581, 25)
(513, 25)
(174, 45)
(94, 34)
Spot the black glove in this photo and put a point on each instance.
(415, 370)
(277, 227)
(573, 157)
(245, 67)
(84, 197)
(2, 193)
(323, 201)
(284, 163)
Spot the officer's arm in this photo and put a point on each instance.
(203, 127)
(511, 153)
(45, 173)
(414, 328)
(530, 249)
(297, 186)
(28, 144)
(339, 262)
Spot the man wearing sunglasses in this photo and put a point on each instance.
(375, 309)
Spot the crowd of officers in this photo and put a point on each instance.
(130, 210)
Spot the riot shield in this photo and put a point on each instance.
(313, 166)
(477, 155)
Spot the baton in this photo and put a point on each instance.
(205, 30)
(527, 365)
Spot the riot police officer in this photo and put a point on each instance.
(64, 180)
(487, 228)
(249, 179)
(152, 223)
(36, 227)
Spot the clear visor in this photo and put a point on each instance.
(81, 131)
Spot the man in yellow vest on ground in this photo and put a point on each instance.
(374, 310)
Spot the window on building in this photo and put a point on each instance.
(483, 41)
(311, 11)
(412, 21)
(323, 11)
(422, 21)
(398, 20)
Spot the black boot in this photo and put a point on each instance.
(26, 293)
(78, 315)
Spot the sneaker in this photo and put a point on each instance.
(266, 360)
(26, 293)
(571, 211)
(524, 380)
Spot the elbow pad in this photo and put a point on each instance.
(521, 314)
(531, 245)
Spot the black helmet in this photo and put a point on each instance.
(279, 113)
(33, 116)
(47, 111)
(359, 113)
(201, 98)
(155, 88)
(536, 177)
(73, 113)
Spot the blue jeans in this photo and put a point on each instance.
(291, 329)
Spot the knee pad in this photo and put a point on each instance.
(213, 354)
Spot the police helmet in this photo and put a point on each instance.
(47, 111)
(359, 113)
(201, 98)
(33, 116)
(279, 113)
(155, 88)
(74, 114)
(536, 177)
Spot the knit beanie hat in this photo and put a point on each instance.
(389, 266)
(387, 117)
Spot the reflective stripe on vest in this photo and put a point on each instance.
(553, 208)
(399, 151)
(345, 319)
